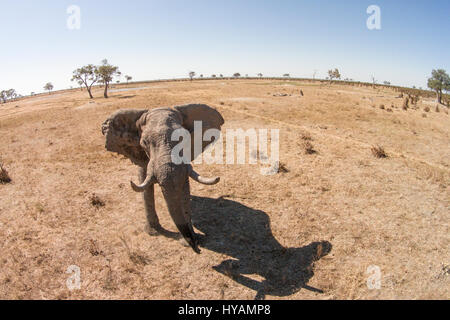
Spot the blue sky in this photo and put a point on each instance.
(168, 38)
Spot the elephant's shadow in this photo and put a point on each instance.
(244, 233)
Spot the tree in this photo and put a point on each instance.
(6, 95)
(191, 75)
(286, 75)
(12, 94)
(237, 75)
(128, 78)
(213, 76)
(48, 86)
(106, 73)
(334, 74)
(387, 83)
(260, 75)
(439, 81)
(86, 76)
(221, 75)
(3, 96)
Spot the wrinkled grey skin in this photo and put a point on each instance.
(144, 136)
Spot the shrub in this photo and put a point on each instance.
(426, 109)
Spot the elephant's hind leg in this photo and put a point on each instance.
(153, 227)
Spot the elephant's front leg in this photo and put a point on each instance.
(153, 225)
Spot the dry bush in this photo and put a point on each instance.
(96, 201)
(424, 115)
(4, 176)
(389, 110)
(382, 106)
(426, 109)
(379, 152)
(306, 137)
(282, 168)
(309, 148)
(437, 108)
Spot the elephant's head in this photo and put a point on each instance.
(123, 129)
(129, 133)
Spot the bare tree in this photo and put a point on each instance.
(128, 78)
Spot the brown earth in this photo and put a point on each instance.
(309, 232)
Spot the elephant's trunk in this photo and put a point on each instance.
(149, 180)
(177, 210)
(208, 181)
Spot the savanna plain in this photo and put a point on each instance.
(363, 182)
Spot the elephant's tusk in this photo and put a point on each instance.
(208, 181)
(141, 188)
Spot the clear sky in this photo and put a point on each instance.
(153, 39)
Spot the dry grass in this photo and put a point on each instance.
(379, 152)
(310, 233)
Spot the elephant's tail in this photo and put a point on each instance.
(208, 181)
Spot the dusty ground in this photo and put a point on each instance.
(308, 233)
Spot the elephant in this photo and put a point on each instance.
(145, 137)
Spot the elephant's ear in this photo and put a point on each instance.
(210, 118)
(123, 135)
